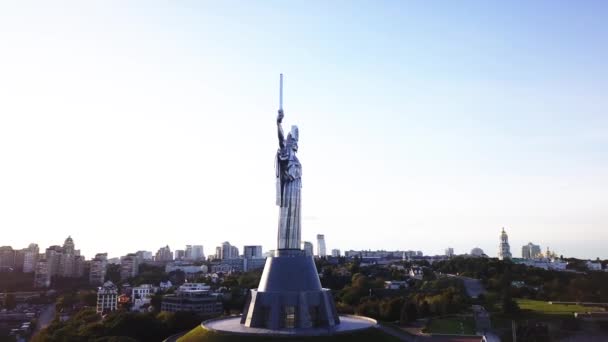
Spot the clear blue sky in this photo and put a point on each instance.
(423, 125)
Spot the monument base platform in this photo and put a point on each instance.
(232, 325)
(355, 329)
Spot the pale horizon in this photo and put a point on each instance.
(132, 126)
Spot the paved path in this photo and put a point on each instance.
(483, 324)
(397, 333)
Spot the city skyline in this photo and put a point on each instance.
(124, 126)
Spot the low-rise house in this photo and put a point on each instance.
(416, 272)
(395, 284)
(165, 285)
(594, 266)
(141, 297)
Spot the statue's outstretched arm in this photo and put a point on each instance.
(280, 129)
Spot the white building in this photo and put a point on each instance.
(546, 264)
(107, 298)
(335, 253)
(141, 297)
(165, 285)
(416, 272)
(594, 266)
(395, 284)
(194, 288)
(321, 251)
(504, 250)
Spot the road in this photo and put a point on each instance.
(45, 318)
(473, 286)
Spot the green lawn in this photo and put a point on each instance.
(200, 334)
(544, 308)
(451, 325)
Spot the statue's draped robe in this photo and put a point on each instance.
(289, 184)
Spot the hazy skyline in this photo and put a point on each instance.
(423, 125)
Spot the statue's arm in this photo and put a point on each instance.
(280, 129)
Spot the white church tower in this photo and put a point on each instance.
(504, 251)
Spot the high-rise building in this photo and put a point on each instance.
(79, 264)
(42, 276)
(179, 254)
(164, 254)
(70, 265)
(129, 266)
(30, 258)
(229, 251)
(308, 248)
(188, 252)
(19, 259)
(530, 251)
(99, 266)
(335, 253)
(234, 252)
(144, 255)
(218, 252)
(7, 258)
(68, 246)
(107, 297)
(252, 252)
(197, 253)
(504, 250)
(321, 252)
(449, 252)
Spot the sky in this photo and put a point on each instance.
(423, 124)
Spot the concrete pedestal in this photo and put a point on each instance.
(290, 295)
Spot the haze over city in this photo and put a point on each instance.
(131, 127)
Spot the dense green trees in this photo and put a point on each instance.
(539, 283)
(86, 325)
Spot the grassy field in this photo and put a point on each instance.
(451, 325)
(200, 334)
(544, 308)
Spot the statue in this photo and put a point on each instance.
(289, 184)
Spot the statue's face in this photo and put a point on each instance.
(294, 147)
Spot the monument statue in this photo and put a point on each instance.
(289, 301)
(289, 184)
(289, 295)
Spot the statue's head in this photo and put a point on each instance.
(292, 138)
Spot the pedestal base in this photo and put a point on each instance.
(290, 296)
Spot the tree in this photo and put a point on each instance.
(509, 306)
(88, 298)
(9, 301)
(425, 309)
(156, 301)
(408, 313)
(390, 310)
(113, 273)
